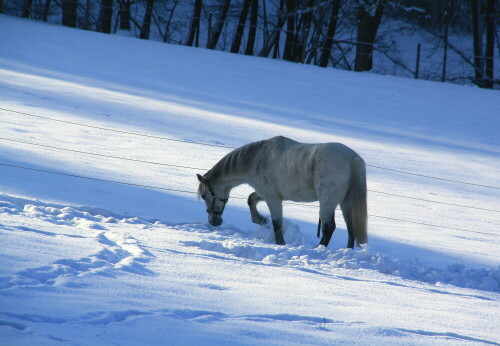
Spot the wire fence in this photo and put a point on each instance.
(206, 169)
(199, 168)
(231, 147)
(236, 197)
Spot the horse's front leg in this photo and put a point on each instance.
(276, 209)
(257, 218)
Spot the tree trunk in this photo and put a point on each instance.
(105, 16)
(195, 22)
(332, 26)
(274, 37)
(26, 8)
(303, 33)
(166, 37)
(446, 17)
(369, 17)
(252, 32)
(265, 31)
(490, 43)
(146, 24)
(46, 9)
(290, 42)
(220, 25)
(86, 24)
(276, 40)
(477, 39)
(124, 14)
(235, 48)
(69, 8)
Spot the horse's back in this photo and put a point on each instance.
(295, 156)
(300, 171)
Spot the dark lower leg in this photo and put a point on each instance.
(352, 238)
(257, 218)
(278, 232)
(328, 229)
(350, 231)
(350, 241)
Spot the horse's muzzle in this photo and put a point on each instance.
(215, 221)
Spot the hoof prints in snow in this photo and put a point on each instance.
(118, 252)
(321, 258)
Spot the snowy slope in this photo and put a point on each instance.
(95, 262)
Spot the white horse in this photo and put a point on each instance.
(282, 169)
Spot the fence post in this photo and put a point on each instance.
(417, 66)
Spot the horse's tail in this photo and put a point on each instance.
(357, 191)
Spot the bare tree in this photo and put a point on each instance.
(26, 8)
(369, 18)
(332, 26)
(166, 21)
(146, 23)
(302, 32)
(124, 14)
(274, 37)
(220, 24)
(46, 10)
(69, 8)
(105, 16)
(477, 40)
(290, 42)
(490, 43)
(483, 22)
(240, 28)
(252, 32)
(195, 23)
(86, 22)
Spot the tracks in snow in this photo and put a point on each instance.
(117, 252)
(122, 253)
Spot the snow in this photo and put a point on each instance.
(92, 262)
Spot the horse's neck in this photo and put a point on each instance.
(235, 168)
(227, 183)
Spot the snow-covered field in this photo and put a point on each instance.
(128, 257)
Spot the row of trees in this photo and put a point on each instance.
(339, 33)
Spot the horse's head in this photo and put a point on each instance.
(215, 200)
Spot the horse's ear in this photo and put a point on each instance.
(202, 180)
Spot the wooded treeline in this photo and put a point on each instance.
(344, 34)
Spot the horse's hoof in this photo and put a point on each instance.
(261, 221)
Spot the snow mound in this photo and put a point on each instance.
(259, 246)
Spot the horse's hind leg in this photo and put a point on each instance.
(327, 206)
(257, 218)
(346, 211)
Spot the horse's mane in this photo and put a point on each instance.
(237, 161)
